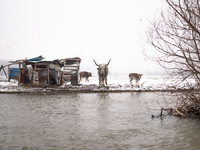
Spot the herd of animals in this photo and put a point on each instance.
(103, 73)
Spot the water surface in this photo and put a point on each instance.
(116, 121)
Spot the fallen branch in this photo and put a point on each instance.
(172, 113)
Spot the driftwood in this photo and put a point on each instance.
(174, 112)
(171, 111)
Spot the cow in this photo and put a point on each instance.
(136, 77)
(102, 73)
(86, 75)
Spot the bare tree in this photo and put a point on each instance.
(175, 35)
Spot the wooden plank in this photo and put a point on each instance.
(67, 72)
(70, 68)
(5, 72)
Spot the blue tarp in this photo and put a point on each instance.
(35, 59)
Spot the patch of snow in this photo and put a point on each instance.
(11, 83)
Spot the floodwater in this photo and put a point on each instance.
(97, 121)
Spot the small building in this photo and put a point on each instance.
(38, 72)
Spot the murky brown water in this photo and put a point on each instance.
(116, 121)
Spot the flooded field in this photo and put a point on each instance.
(81, 121)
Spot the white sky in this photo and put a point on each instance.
(89, 29)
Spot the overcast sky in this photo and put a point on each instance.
(89, 29)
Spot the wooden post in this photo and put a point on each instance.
(48, 73)
(5, 72)
(8, 73)
(19, 73)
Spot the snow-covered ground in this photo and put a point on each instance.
(114, 82)
(146, 82)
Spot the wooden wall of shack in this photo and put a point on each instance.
(45, 73)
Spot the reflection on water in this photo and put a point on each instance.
(91, 121)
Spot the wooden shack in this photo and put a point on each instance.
(35, 71)
(38, 72)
